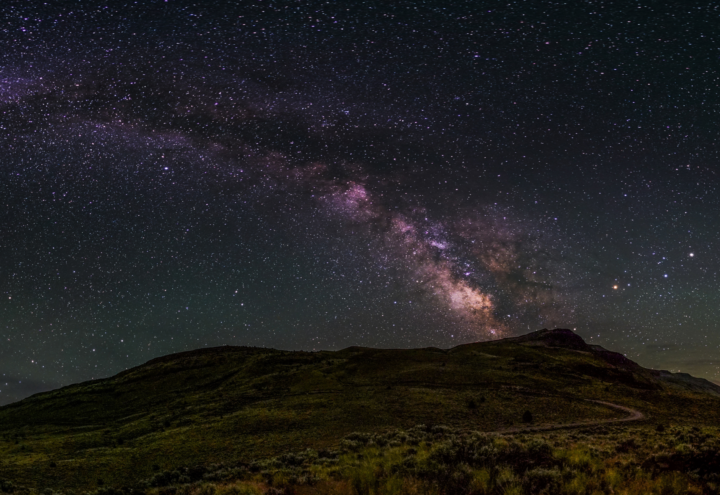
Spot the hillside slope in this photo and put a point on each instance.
(230, 404)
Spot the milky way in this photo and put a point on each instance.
(314, 175)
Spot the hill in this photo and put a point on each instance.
(235, 404)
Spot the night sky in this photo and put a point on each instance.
(313, 175)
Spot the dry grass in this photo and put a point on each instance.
(445, 461)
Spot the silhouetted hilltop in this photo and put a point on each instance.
(686, 381)
(559, 337)
(568, 339)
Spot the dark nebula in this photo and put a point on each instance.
(313, 175)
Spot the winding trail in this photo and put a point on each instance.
(634, 416)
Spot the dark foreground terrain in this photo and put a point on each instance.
(542, 413)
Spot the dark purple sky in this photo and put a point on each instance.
(314, 175)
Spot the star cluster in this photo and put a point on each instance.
(314, 175)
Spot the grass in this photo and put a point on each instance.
(236, 406)
(444, 461)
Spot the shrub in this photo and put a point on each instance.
(506, 479)
(612, 479)
(207, 489)
(540, 479)
(684, 448)
(539, 449)
(361, 438)
(241, 489)
(412, 440)
(292, 459)
(163, 478)
(481, 482)
(459, 480)
(626, 446)
(327, 454)
(363, 480)
(671, 484)
(579, 458)
(350, 445)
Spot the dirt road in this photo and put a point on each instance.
(634, 416)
